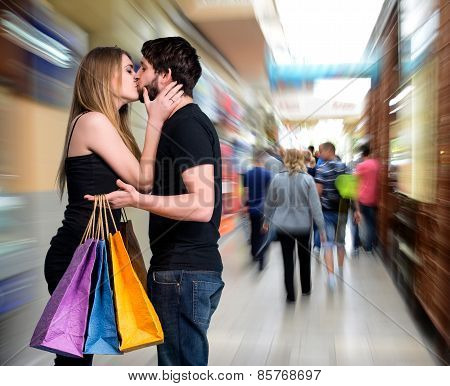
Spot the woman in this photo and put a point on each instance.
(100, 148)
(292, 203)
(310, 163)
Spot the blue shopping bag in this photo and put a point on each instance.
(102, 336)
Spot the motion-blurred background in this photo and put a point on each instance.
(292, 73)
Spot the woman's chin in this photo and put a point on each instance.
(134, 98)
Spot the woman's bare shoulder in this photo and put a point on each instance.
(94, 122)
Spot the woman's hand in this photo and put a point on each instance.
(126, 197)
(265, 228)
(164, 104)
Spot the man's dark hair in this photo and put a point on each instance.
(328, 146)
(177, 54)
(311, 149)
(365, 149)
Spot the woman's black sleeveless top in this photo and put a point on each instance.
(86, 174)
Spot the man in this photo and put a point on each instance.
(317, 244)
(184, 279)
(326, 176)
(368, 172)
(256, 182)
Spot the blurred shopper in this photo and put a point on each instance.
(310, 163)
(317, 155)
(325, 181)
(274, 159)
(311, 149)
(100, 148)
(317, 244)
(256, 182)
(242, 163)
(368, 172)
(354, 226)
(185, 207)
(320, 158)
(292, 204)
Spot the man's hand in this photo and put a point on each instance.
(126, 197)
(265, 228)
(323, 238)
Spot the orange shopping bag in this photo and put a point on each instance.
(137, 321)
(133, 249)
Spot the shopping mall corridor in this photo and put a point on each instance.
(364, 321)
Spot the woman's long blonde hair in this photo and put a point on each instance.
(94, 91)
(294, 161)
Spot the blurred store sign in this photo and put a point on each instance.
(302, 105)
(296, 75)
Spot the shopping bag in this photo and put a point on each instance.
(62, 326)
(102, 336)
(133, 249)
(137, 321)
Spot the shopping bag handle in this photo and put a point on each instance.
(100, 231)
(90, 225)
(111, 214)
(106, 216)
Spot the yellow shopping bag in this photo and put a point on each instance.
(137, 321)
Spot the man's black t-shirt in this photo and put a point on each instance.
(188, 139)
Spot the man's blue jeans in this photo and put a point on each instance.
(184, 302)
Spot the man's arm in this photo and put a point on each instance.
(319, 181)
(196, 205)
(319, 188)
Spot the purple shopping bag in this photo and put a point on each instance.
(62, 326)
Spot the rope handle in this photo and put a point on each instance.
(89, 227)
(106, 216)
(100, 231)
(111, 214)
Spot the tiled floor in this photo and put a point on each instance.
(364, 321)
